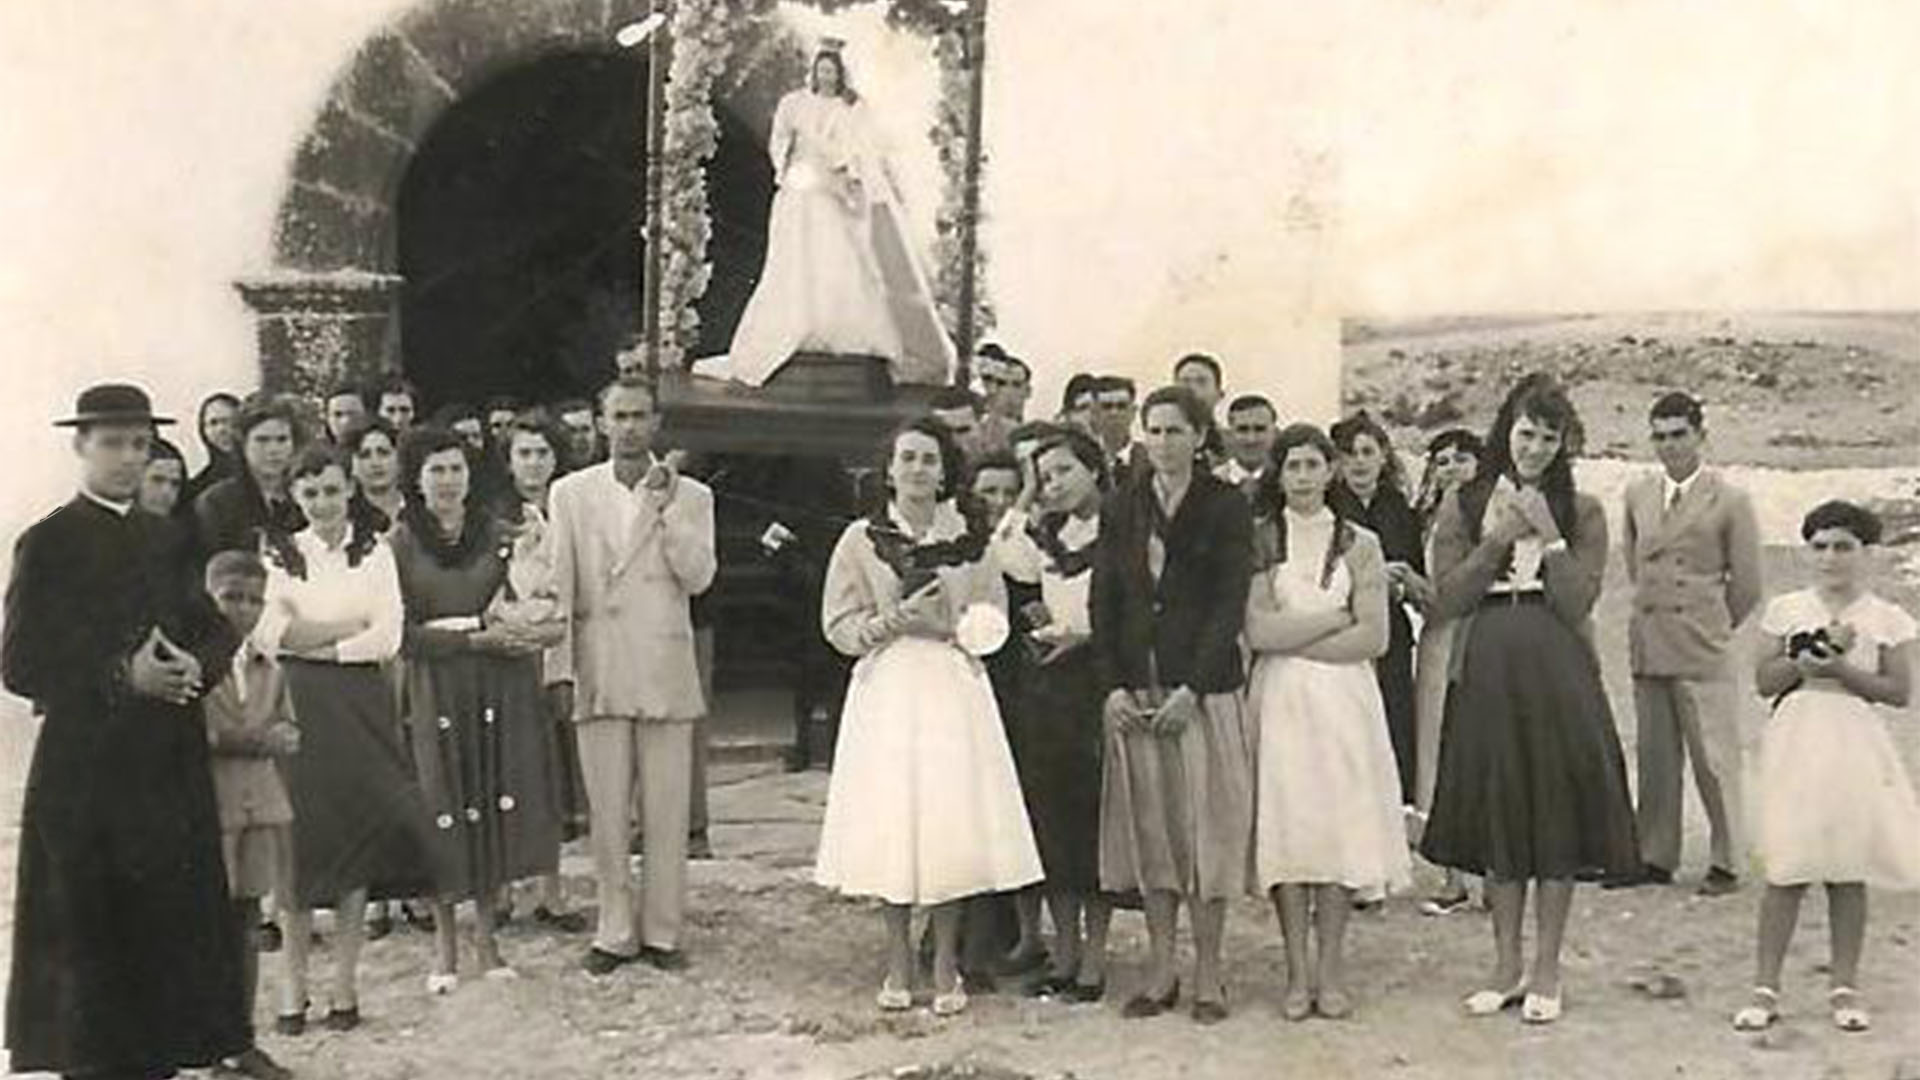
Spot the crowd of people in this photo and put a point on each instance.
(1153, 652)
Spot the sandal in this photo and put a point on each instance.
(1333, 1004)
(892, 998)
(1761, 1013)
(1848, 1013)
(1540, 1009)
(1494, 1002)
(951, 1003)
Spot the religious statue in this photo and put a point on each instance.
(841, 274)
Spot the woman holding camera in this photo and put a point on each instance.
(1836, 806)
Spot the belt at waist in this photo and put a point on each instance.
(1513, 597)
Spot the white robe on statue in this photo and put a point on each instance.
(841, 274)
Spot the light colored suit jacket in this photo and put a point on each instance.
(629, 647)
(1695, 571)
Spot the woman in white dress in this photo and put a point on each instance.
(841, 274)
(924, 807)
(1327, 822)
(1836, 806)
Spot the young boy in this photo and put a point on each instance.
(249, 725)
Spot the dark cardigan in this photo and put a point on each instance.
(1186, 629)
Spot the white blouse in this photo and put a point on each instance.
(333, 591)
(1069, 599)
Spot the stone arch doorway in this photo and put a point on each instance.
(396, 163)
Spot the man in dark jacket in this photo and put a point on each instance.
(125, 963)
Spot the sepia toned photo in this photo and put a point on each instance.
(959, 538)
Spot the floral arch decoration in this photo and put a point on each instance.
(703, 36)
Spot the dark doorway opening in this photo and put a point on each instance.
(520, 232)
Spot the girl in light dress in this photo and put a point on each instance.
(1835, 805)
(923, 806)
(1328, 822)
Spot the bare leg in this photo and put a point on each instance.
(1552, 900)
(1065, 908)
(296, 943)
(1779, 911)
(1209, 932)
(899, 919)
(1507, 902)
(1026, 905)
(1331, 905)
(349, 934)
(1163, 921)
(1093, 957)
(1290, 906)
(446, 960)
(1847, 919)
(946, 946)
(485, 943)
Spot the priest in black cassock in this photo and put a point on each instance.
(125, 963)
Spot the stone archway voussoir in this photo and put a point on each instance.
(466, 42)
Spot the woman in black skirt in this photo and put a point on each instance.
(1371, 492)
(1064, 737)
(1532, 785)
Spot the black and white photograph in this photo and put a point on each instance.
(936, 539)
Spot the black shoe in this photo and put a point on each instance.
(1087, 994)
(379, 926)
(268, 937)
(1208, 1013)
(343, 1019)
(253, 1062)
(291, 1025)
(1141, 1007)
(601, 962)
(1054, 986)
(566, 922)
(699, 847)
(663, 959)
(1718, 882)
(418, 916)
(1648, 874)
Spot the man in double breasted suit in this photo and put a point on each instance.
(633, 544)
(1693, 554)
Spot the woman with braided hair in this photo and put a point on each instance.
(1327, 819)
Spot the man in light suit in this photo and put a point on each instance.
(1693, 554)
(633, 543)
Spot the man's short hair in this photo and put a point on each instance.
(503, 403)
(262, 407)
(1081, 384)
(1678, 405)
(573, 405)
(1251, 401)
(1106, 384)
(628, 382)
(948, 398)
(235, 564)
(1205, 361)
(392, 385)
(995, 351)
(345, 389)
(997, 459)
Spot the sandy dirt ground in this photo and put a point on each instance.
(783, 976)
(1783, 389)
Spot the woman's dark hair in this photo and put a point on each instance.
(262, 408)
(162, 450)
(422, 443)
(1863, 523)
(200, 423)
(1183, 399)
(1345, 433)
(544, 427)
(1270, 501)
(313, 460)
(847, 93)
(475, 530)
(1082, 446)
(1427, 503)
(1539, 398)
(364, 429)
(953, 467)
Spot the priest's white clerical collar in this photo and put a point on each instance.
(120, 509)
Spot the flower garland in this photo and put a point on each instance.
(702, 40)
(702, 36)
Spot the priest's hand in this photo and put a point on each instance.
(161, 671)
